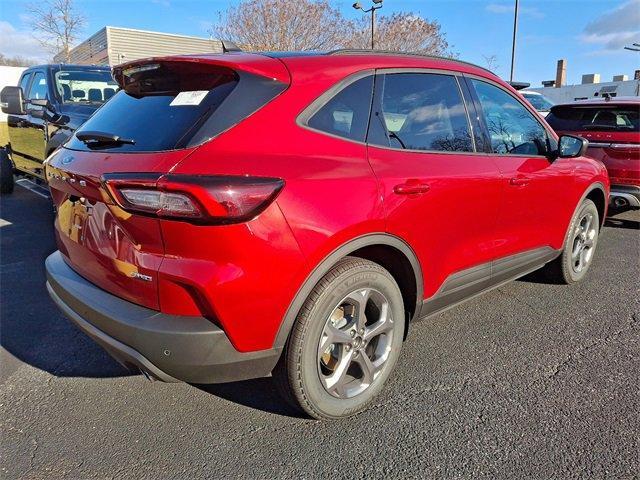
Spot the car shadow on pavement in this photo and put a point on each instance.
(260, 394)
(32, 329)
(622, 223)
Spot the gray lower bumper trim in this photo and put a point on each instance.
(167, 347)
(121, 352)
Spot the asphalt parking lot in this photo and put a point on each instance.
(529, 381)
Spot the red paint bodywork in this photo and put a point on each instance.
(245, 276)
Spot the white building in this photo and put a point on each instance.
(591, 86)
(114, 45)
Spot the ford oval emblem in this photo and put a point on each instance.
(67, 160)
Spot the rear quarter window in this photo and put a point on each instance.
(346, 114)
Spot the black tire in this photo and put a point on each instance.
(563, 269)
(298, 373)
(6, 173)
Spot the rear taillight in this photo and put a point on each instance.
(195, 198)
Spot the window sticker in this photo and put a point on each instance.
(189, 98)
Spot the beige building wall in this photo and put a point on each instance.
(113, 45)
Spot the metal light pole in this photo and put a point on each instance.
(377, 4)
(513, 45)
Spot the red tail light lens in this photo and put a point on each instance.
(195, 198)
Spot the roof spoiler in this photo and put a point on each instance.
(519, 85)
(241, 62)
(229, 46)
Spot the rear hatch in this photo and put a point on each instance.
(613, 131)
(165, 110)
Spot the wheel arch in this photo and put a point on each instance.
(596, 193)
(388, 251)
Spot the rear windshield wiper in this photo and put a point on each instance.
(103, 137)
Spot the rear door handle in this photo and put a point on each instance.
(519, 181)
(411, 187)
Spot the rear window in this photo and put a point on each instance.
(85, 86)
(614, 118)
(173, 105)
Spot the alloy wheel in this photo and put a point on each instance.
(584, 238)
(355, 343)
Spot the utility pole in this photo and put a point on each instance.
(377, 4)
(513, 45)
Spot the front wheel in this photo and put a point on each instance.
(345, 341)
(6, 172)
(579, 246)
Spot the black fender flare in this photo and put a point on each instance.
(589, 189)
(330, 260)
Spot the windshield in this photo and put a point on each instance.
(539, 102)
(615, 118)
(85, 86)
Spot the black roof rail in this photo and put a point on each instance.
(363, 51)
(229, 46)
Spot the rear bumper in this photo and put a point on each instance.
(169, 348)
(625, 196)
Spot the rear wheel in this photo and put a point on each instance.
(6, 172)
(345, 342)
(579, 246)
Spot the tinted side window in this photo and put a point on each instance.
(24, 83)
(423, 111)
(38, 87)
(513, 129)
(347, 113)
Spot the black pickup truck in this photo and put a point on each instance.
(49, 103)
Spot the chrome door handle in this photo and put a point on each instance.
(411, 187)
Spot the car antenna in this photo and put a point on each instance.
(229, 46)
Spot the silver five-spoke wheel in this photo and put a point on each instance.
(584, 236)
(355, 343)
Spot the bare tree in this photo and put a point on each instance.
(403, 32)
(16, 61)
(283, 25)
(56, 24)
(491, 61)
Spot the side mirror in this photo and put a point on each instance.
(12, 101)
(570, 146)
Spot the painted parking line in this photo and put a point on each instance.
(33, 187)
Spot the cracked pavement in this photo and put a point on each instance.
(528, 381)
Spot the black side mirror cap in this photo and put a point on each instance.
(12, 101)
(572, 146)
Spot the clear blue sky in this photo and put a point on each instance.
(590, 34)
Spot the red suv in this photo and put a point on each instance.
(230, 216)
(612, 126)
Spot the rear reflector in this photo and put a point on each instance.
(194, 198)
